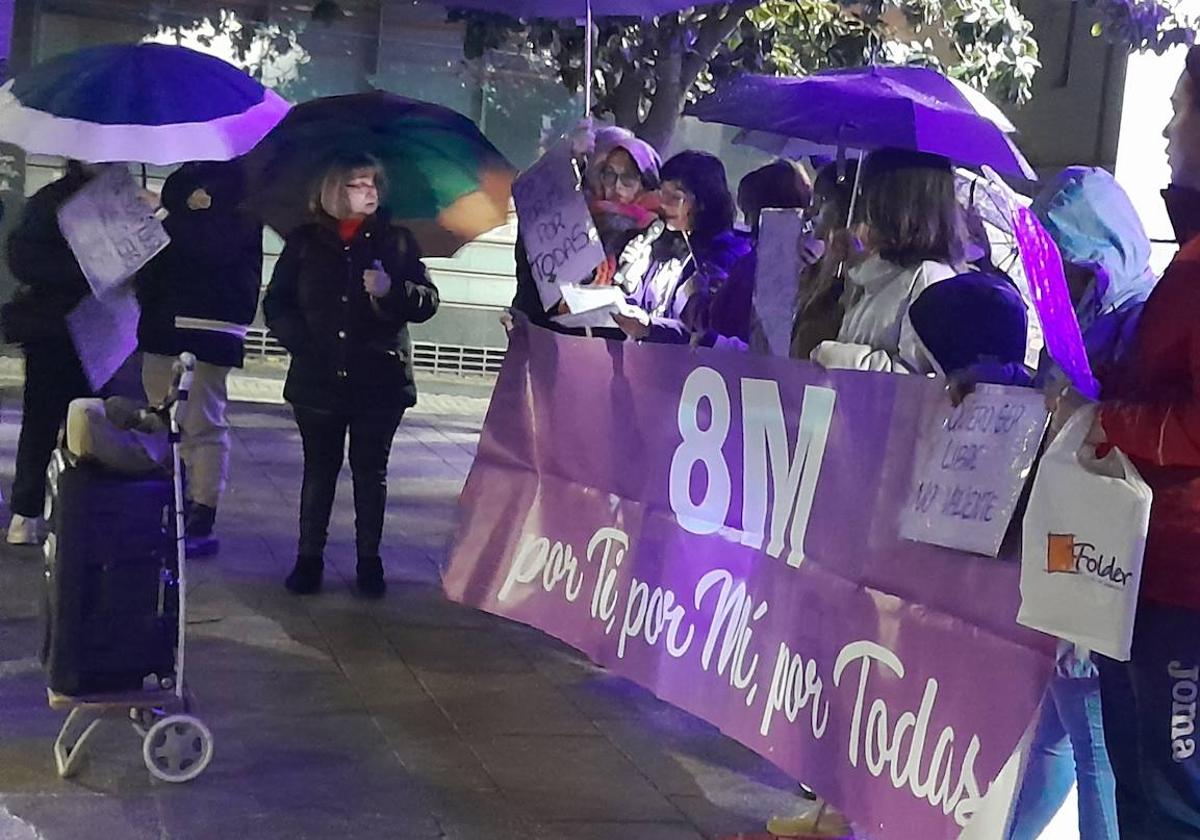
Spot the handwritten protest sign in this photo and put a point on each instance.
(104, 331)
(972, 463)
(110, 229)
(560, 238)
(777, 276)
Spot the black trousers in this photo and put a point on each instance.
(324, 436)
(1150, 726)
(53, 377)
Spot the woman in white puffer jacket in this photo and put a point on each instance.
(915, 237)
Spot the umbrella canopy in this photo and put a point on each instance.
(145, 103)
(448, 183)
(869, 108)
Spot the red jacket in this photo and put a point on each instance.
(1155, 419)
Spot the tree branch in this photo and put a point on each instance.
(712, 33)
(678, 68)
(626, 98)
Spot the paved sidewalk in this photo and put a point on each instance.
(338, 718)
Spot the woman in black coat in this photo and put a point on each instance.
(51, 285)
(344, 289)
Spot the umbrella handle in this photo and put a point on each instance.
(588, 47)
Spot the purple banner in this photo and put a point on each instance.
(723, 528)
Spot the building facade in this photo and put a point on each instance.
(321, 47)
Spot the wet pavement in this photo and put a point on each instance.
(335, 717)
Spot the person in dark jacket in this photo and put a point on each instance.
(51, 285)
(344, 290)
(780, 185)
(200, 295)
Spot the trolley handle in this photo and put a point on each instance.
(182, 373)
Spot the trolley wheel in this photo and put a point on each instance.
(177, 748)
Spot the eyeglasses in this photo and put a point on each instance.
(361, 187)
(673, 198)
(610, 177)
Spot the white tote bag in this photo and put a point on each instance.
(1084, 535)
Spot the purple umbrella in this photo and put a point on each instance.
(578, 10)
(868, 108)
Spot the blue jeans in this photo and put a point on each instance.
(1068, 746)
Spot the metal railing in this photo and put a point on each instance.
(435, 358)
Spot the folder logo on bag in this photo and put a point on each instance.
(1060, 553)
(1067, 556)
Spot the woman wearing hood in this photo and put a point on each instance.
(1106, 258)
(914, 238)
(620, 183)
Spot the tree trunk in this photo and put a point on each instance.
(626, 99)
(666, 106)
(677, 72)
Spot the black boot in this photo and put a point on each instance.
(370, 577)
(198, 530)
(305, 578)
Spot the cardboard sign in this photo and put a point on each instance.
(777, 276)
(556, 227)
(972, 463)
(104, 331)
(111, 230)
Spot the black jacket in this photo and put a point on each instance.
(50, 281)
(350, 353)
(210, 276)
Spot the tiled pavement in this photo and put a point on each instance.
(338, 718)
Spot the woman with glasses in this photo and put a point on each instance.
(671, 271)
(345, 288)
(620, 180)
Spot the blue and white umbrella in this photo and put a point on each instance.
(141, 103)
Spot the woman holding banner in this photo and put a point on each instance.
(819, 311)
(915, 237)
(672, 270)
(1152, 413)
(621, 181)
(344, 291)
